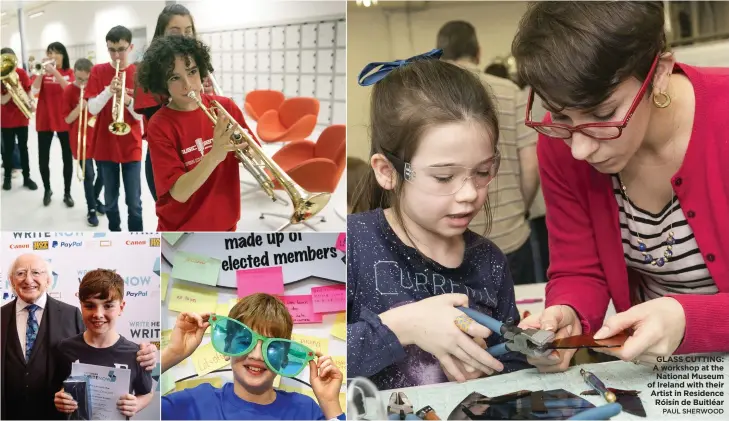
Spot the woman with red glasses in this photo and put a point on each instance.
(634, 163)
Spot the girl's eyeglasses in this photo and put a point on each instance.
(234, 339)
(601, 131)
(445, 180)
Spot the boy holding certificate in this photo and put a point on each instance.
(255, 336)
(101, 294)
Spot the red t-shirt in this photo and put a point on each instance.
(70, 101)
(11, 115)
(107, 146)
(48, 117)
(173, 138)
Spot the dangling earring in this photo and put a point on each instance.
(665, 102)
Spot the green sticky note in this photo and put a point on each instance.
(196, 268)
(172, 237)
(167, 383)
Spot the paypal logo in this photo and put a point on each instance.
(66, 244)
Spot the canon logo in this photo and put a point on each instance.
(136, 243)
(20, 246)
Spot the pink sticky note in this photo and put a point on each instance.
(301, 308)
(268, 280)
(342, 242)
(331, 299)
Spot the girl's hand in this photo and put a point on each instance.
(658, 329)
(127, 405)
(469, 372)
(562, 320)
(430, 324)
(222, 143)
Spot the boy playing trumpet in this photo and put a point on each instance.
(196, 176)
(113, 151)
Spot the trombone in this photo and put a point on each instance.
(306, 204)
(118, 126)
(9, 77)
(83, 121)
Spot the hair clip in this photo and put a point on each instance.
(388, 66)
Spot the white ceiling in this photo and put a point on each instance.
(10, 7)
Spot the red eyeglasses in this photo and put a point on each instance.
(602, 131)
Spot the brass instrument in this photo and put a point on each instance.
(118, 126)
(248, 161)
(306, 204)
(83, 121)
(10, 79)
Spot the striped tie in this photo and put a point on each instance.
(32, 331)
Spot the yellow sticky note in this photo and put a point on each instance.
(341, 363)
(207, 359)
(165, 338)
(165, 280)
(343, 402)
(189, 384)
(277, 381)
(192, 299)
(223, 309)
(317, 344)
(339, 330)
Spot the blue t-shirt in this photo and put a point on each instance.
(383, 273)
(206, 402)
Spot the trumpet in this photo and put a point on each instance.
(118, 126)
(9, 77)
(83, 121)
(306, 204)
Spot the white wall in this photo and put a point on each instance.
(385, 34)
(87, 22)
(234, 14)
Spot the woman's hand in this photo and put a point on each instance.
(64, 402)
(326, 381)
(562, 320)
(128, 405)
(430, 324)
(658, 329)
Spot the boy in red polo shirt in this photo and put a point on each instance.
(196, 176)
(13, 123)
(72, 110)
(111, 151)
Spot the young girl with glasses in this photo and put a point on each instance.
(633, 159)
(412, 259)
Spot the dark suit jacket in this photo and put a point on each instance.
(62, 321)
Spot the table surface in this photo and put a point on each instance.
(444, 397)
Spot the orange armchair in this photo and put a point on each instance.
(258, 102)
(295, 119)
(317, 167)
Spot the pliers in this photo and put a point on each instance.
(530, 342)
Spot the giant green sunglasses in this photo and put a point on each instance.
(282, 356)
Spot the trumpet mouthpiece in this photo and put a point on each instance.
(191, 95)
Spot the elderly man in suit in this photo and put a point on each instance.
(31, 326)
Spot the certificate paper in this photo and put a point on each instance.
(107, 385)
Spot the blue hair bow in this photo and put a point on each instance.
(388, 66)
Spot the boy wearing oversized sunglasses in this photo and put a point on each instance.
(256, 338)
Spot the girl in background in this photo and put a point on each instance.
(50, 118)
(412, 259)
(175, 19)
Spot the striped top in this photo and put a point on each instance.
(684, 273)
(509, 228)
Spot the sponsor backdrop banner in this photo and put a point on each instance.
(134, 256)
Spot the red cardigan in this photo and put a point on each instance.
(587, 266)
